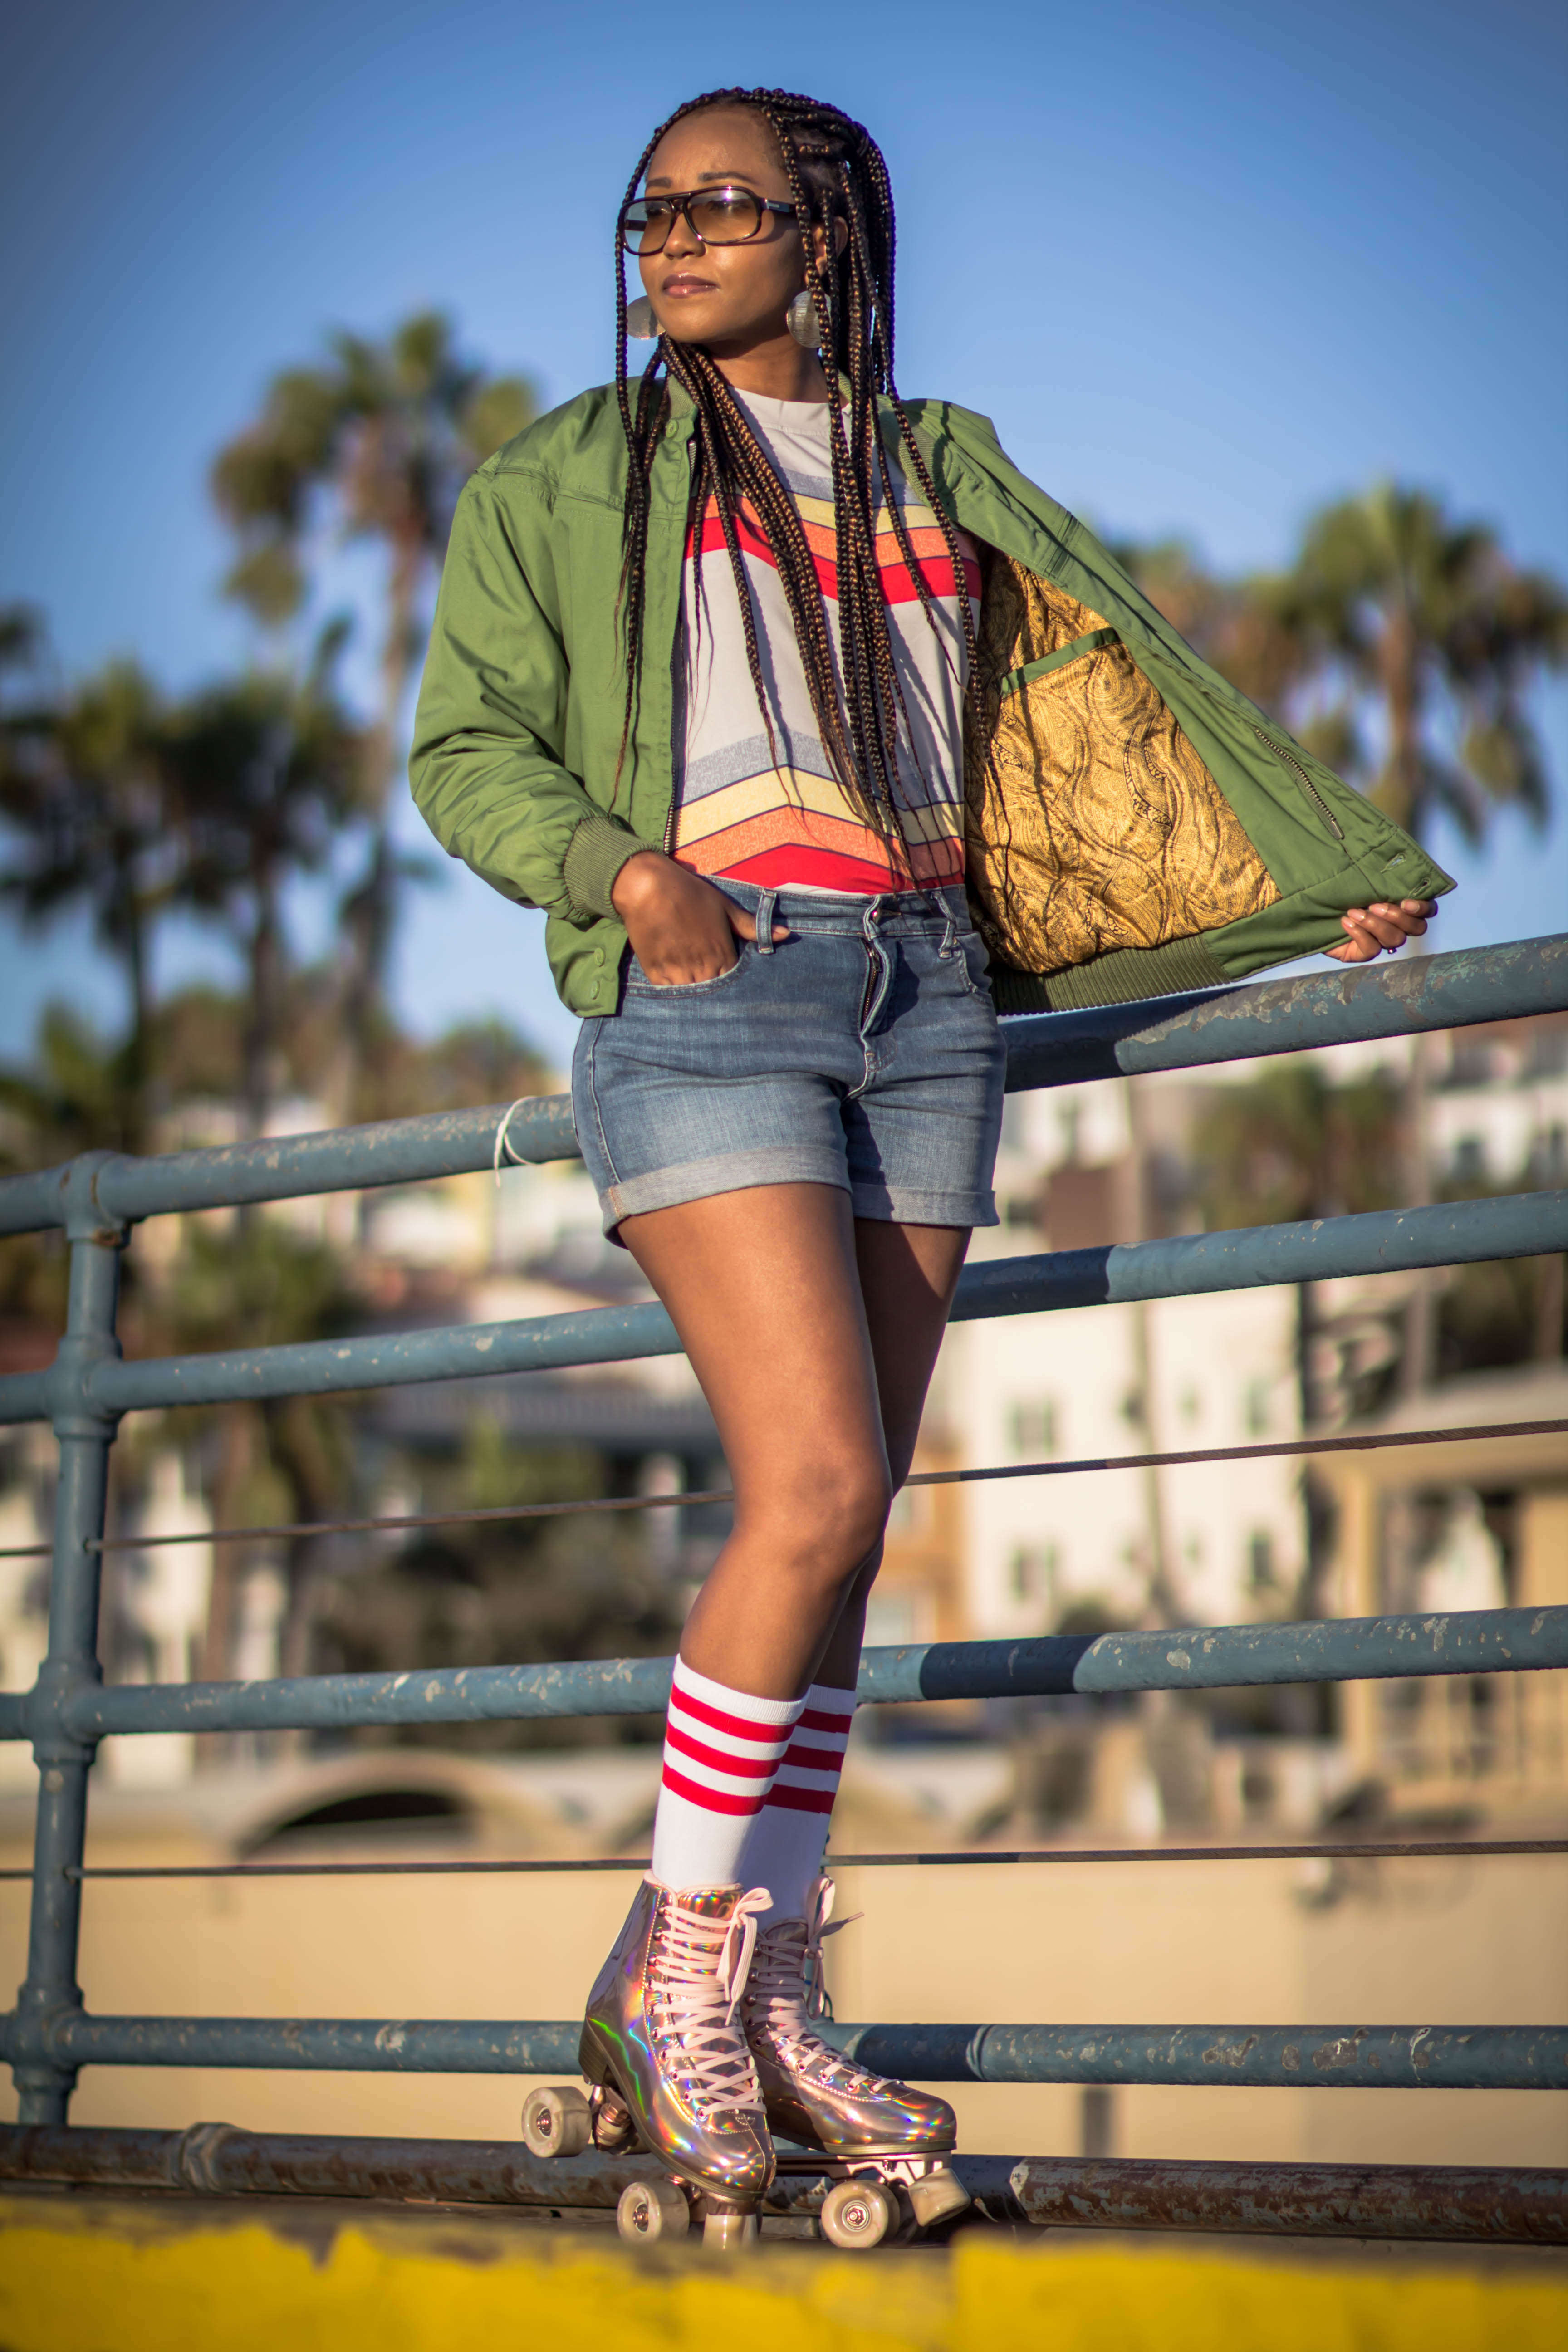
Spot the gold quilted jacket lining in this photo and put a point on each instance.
(1095, 825)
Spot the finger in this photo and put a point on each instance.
(1426, 908)
(1408, 917)
(746, 926)
(1380, 927)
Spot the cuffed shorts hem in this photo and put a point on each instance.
(723, 1171)
(905, 1206)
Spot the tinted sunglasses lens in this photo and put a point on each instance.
(727, 217)
(644, 227)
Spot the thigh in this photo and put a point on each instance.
(763, 1288)
(908, 1276)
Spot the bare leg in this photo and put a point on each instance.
(813, 1336)
(908, 1277)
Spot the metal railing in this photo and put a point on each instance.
(96, 1197)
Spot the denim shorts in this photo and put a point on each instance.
(861, 1051)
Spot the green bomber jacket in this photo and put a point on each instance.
(1162, 832)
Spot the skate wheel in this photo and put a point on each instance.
(557, 2121)
(857, 2213)
(937, 2196)
(650, 2209)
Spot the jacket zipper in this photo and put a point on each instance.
(1308, 786)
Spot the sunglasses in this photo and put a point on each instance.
(714, 216)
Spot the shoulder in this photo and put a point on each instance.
(946, 420)
(578, 449)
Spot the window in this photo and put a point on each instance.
(893, 1619)
(1032, 1574)
(1260, 1577)
(1032, 1429)
(1470, 1161)
(1256, 1408)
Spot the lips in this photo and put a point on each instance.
(685, 284)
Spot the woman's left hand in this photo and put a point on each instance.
(1368, 930)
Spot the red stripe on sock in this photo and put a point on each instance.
(739, 1768)
(815, 1759)
(710, 1799)
(815, 1718)
(798, 1800)
(769, 1734)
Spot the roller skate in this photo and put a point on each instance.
(882, 2143)
(667, 2068)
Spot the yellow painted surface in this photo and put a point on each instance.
(129, 2280)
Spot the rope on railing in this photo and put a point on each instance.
(1373, 1442)
(1337, 1850)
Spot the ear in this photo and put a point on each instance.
(840, 239)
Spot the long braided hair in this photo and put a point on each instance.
(836, 174)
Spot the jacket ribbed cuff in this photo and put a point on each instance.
(594, 855)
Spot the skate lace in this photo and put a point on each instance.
(785, 1992)
(697, 1973)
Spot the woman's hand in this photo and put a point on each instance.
(1368, 930)
(680, 928)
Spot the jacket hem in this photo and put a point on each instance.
(1120, 977)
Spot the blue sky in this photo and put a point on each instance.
(1206, 265)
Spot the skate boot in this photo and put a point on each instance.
(662, 2040)
(871, 2130)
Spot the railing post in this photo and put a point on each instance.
(85, 1434)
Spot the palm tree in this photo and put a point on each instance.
(84, 788)
(1431, 635)
(375, 443)
(266, 773)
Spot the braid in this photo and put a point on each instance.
(836, 174)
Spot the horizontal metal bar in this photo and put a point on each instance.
(960, 1857)
(1458, 2203)
(1450, 2202)
(1414, 994)
(215, 2160)
(1209, 1657)
(1283, 1016)
(1370, 1440)
(1519, 1225)
(288, 1167)
(1275, 2057)
(1288, 2057)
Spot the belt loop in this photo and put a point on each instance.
(765, 906)
(950, 935)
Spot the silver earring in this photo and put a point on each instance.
(641, 324)
(801, 320)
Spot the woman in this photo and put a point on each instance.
(768, 687)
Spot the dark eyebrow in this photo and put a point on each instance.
(723, 179)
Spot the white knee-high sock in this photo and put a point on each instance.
(721, 1748)
(789, 1836)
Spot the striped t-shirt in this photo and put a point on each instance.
(791, 826)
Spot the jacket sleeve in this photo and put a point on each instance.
(487, 766)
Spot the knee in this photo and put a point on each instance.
(829, 1530)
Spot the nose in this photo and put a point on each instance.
(683, 240)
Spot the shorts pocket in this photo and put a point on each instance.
(639, 984)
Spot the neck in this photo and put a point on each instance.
(776, 369)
